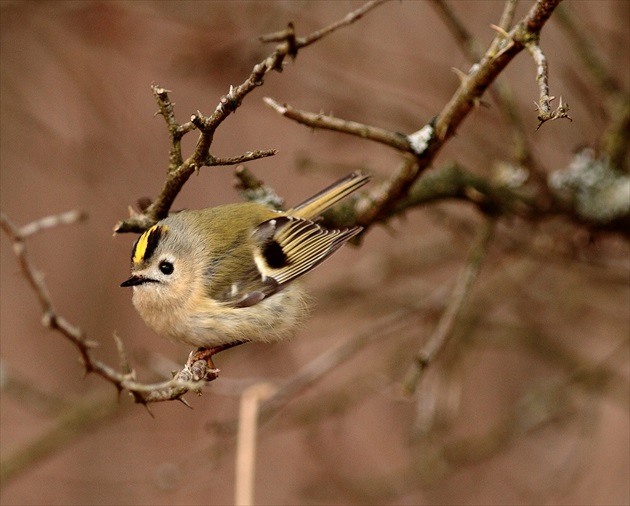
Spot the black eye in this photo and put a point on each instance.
(166, 267)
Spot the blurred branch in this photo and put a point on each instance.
(452, 181)
(181, 169)
(255, 190)
(581, 40)
(28, 394)
(74, 419)
(317, 368)
(616, 135)
(614, 139)
(437, 341)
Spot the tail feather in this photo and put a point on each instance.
(328, 197)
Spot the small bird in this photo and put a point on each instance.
(218, 277)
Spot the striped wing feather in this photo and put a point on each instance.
(302, 243)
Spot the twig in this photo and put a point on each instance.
(300, 42)
(175, 130)
(395, 140)
(445, 326)
(18, 235)
(545, 113)
(245, 157)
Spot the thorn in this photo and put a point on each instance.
(122, 356)
(460, 74)
(500, 31)
(148, 409)
(184, 402)
(119, 391)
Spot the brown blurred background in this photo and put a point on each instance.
(527, 405)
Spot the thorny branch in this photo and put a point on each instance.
(181, 169)
(394, 140)
(425, 143)
(192, 376)
(545, 113)
(391, 324)
(189, 378)
(403, 190)
(502, 93)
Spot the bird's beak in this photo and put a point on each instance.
(134, 281)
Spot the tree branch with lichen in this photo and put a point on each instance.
(425, 143)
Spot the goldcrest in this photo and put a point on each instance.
(217, 277)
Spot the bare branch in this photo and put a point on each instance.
(235, 160)
(315, 370)
(181, 169)
(545, 113)
(345, 21)
(175, 130)
(191, 377)
(425, 143)
(482, 74)
(395, 140)
(502, 93)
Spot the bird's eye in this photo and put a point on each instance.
(166, 267)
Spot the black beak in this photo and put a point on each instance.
(135, 281)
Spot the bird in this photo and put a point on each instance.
(218, 277)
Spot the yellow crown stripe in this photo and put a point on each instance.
(147, 241)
